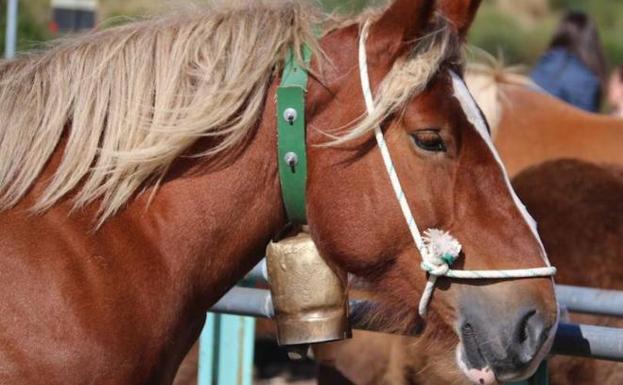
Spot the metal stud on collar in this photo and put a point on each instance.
(290, 115)
(291, 159)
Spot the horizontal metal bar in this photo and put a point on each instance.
(573, 298)
(589, 341)
(573, 340)
(591, 301)
(245, 301)
(259, 272)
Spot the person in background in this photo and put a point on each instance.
(573, 68)
(615, 92)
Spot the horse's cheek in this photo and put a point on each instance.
(355, 242)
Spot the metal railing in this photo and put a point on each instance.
(590, 301)
(220, 364)
(573, 298)
(575, 340)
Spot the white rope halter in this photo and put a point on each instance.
(438, 248)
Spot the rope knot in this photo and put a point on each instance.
(436, 270)
(442, 250)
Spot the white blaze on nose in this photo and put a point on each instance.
(462, 94)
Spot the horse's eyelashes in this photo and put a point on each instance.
(429, 140)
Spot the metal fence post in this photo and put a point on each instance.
(226, 350)
(207, 345)
(11, 30)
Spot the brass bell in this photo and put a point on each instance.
(309, 296)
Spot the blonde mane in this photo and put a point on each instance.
(485, 75)
(126, 102)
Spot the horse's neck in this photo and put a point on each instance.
(218, 222)
(160, 266)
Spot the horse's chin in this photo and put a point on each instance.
(486, 375)
(483, 376)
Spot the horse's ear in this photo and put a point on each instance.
(401, 23)
(459, 12)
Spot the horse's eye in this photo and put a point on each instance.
(429, 140)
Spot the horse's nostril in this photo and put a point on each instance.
(522, 327)
(508, 343)
(471, 346)
(467, 329)
(530, 333)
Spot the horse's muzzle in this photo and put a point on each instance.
(508, 344)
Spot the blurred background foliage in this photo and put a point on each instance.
(517, 29)
(521, 30)
(34, 17)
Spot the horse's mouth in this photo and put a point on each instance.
(478, 370)
(482, 376)
(488, 358)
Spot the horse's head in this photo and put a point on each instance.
(452, 180)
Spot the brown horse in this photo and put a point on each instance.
(139, 182)
(580, 213)
(531, 127)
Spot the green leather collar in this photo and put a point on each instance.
(291, 136)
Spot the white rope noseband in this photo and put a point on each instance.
(437, 247)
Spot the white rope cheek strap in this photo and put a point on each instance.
(437, 247)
